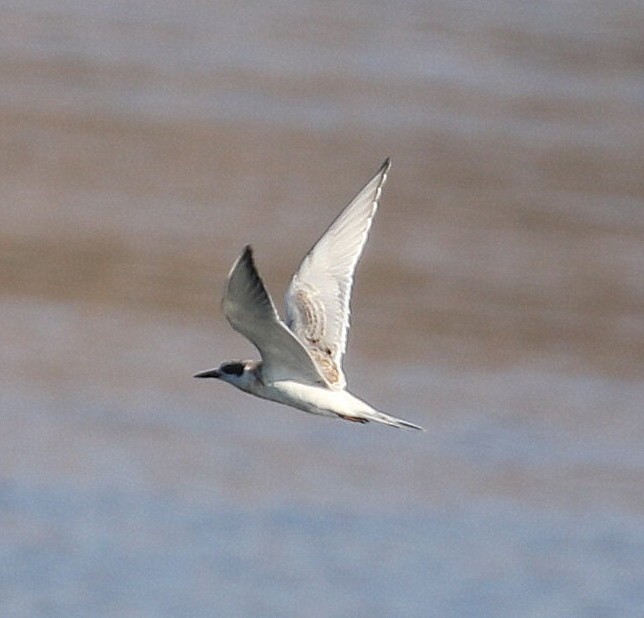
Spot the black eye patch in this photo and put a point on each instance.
(233, 368)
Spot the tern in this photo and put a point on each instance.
(301, 359)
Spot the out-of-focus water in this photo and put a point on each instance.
(500, 303)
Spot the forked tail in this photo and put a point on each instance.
(396, 422)
(381, 417)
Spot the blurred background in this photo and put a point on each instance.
(499, 303)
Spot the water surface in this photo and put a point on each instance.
(500, 304)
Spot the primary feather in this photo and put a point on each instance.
(251, 312)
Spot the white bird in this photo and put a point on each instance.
(301, 362)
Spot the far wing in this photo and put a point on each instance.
(317, 300)
(250, 311)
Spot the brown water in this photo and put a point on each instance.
(500, 303)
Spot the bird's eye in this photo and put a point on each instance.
(233, 369)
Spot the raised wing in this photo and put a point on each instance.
(317, 300)
(251, 312)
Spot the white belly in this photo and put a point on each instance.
(314, 399)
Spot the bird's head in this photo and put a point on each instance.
(238, 373)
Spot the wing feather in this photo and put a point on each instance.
(318, 297)
(251, 312)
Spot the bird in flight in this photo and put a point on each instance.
(301, 362)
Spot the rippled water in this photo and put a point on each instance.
(500, 303)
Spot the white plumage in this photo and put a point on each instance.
(301, 363)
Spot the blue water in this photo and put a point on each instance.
(109, 552)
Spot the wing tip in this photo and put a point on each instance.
(245, 258)
(381, 175)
